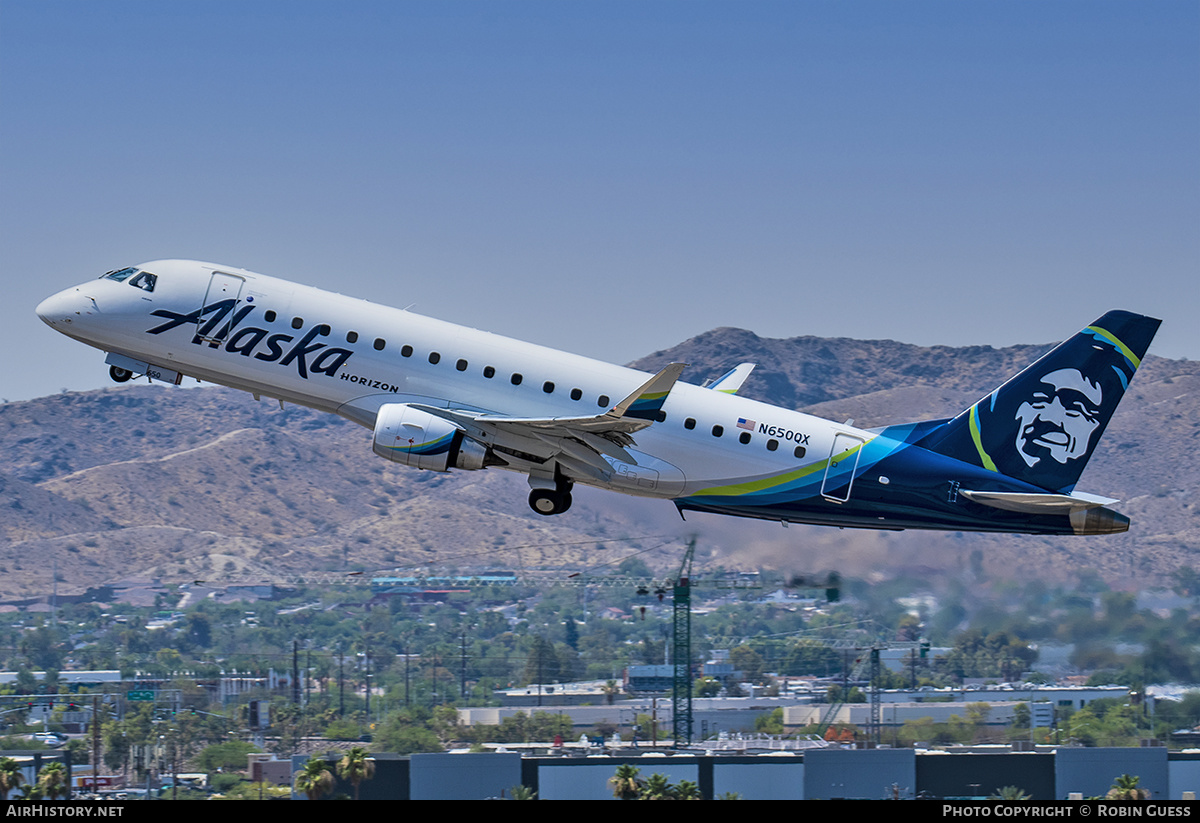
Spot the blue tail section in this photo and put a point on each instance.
(1042, 425)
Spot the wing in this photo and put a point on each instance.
(578, 444)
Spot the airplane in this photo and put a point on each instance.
(443, 397)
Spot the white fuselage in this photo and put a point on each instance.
(351, 357)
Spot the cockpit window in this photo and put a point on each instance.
(144, 281)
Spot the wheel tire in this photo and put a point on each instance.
(119, 375)
(544, 502)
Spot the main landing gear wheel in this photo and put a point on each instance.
(549, 501)
(119, 375)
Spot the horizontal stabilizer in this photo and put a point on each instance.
(1037, 503)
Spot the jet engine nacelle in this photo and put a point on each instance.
(416, 438)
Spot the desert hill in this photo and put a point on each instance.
(153, 481)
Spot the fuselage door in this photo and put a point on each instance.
(843, 462)
(221, 299)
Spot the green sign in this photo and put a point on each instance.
(142, 694)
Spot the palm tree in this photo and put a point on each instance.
(314, 780)
(522, 792)
(10, 776)
(687, 790)
(626, 784)
(1009, 793)
(610, 690)
(52, 780)
(657, 787)
(356, 767)
(1126, 787)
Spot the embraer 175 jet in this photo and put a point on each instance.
(440, 396)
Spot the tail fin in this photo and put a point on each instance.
(1042, 425)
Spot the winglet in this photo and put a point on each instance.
(732, 380)
(647, 401)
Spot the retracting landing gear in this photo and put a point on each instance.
(119, 375)
(551, 501)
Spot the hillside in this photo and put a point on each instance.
(152, 481)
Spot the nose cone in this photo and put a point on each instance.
(59, 308)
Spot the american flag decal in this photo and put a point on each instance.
(748, 425)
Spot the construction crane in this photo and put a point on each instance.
(681, 627)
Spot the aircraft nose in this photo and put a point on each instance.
(59, 308)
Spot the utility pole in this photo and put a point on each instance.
(462, 648)
(295, 672)
(95, 742)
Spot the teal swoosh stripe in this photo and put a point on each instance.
(791, 485)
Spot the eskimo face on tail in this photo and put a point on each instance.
(1042, 425)
(1058, 421)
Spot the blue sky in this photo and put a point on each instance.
(614, 177)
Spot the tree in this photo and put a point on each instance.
(10, 776)
(314, 780)
(356, 767)
(626, 784)
(230, 756)
(657, 787)
(52, 780)
(747, 661)
(1126, 787)
(1009, 793)
(402, 734)
(769, 722)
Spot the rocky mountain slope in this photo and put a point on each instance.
(151, 481)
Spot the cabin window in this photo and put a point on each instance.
(661, 416)
(269, 316)
(548, 387)
(489, 372)
(461, 365)
(434, 357)
(380, 343)
(324, 329)
(405, 351)
(576, 394)
(516, 379)
(799, 451)
(744, 438)
(351, 337)
(297, 322)
(603, 401)
(772, 445)
(718, 431)
(690, 423)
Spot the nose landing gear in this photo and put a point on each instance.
(119, 375)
